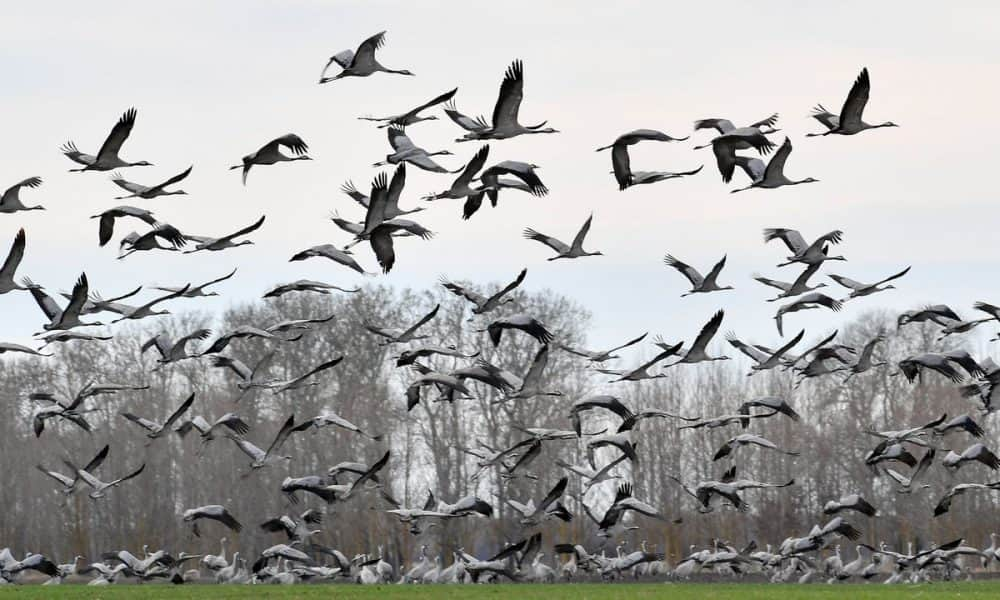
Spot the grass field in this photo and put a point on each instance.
(695, 591)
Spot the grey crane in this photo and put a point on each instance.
(146, 310)
(485, 304)
(849, 121)
(270, 153)
(696, 352)
(196, 291)
(806, 302)
(70, 484)
(773, 175)
(222, 243)
(620, 160)
(797, 287)
(149, 192)
(413, 115)
(174, 350)
(360, 63)
(10, 264)
(107, 158)
(134, 242)
(504, 123)
(157, 430)
(100, 488)
(62, 318)
(404, 150)
(402, 336)
(331, 252)
(859, 289)
(748, 439)
(801, 252)
(763, 360)
(699, 284)
(599, 356)
(10, 202)
(212, 512)
(521, 322)
(306, 285)
(575, 250)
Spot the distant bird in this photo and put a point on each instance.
(859, 289)
(262, 458)
(174, 350)
(401, 336)
(224, 242)
(238, 333)
(108, 217)
(306, 285)
(382, 235)
(331, 252)
(100, 488)
(361, 63)
(806, 302)
(404, 150)
(908, 485)
(328, 417)
(60, 337)
(270, 153)
(70, 484)
(725, 146)
(62, 318)
(942, 363)
(773, 176)
(801, 252)
(865, 361)
(963, 422)
(148, 193)
(10, 264)
(461, 186)
(484, 304)
(747, 439)
(763, 360)
(850, 502)
(590, 476)
(134, 242)
(799, 286)
(940, 314)
(408, 357)
(696, 352)
(563, 251)
(236, 427)
(944, 504)
(157, 430)
(849, 121)
(505, 123)
(303, 380)
(767, 402)
(646, 177)
(213, 512)
(297, 324)
(699, 284)
(522, 170)
(196, 291)
(620, 160)
(146, 310)
(522, 322)
(107, 157)
(10, 202)
(600, 356)
(549, 507)
(413, 115)
(724, 126)
(642, 371)
(975, 453)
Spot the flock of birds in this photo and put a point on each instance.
(813, 555)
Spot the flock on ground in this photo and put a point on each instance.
(945, 443)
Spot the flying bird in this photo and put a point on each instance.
(849, 121)
(360, 63)
(149, 192)
(563, 251)
(504, 123)
(10, 202)
(107, 157)
(270, 153)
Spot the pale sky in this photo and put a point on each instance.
(213, 81)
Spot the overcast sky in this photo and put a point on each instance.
(213, 81)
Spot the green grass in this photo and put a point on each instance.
(707, 591)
